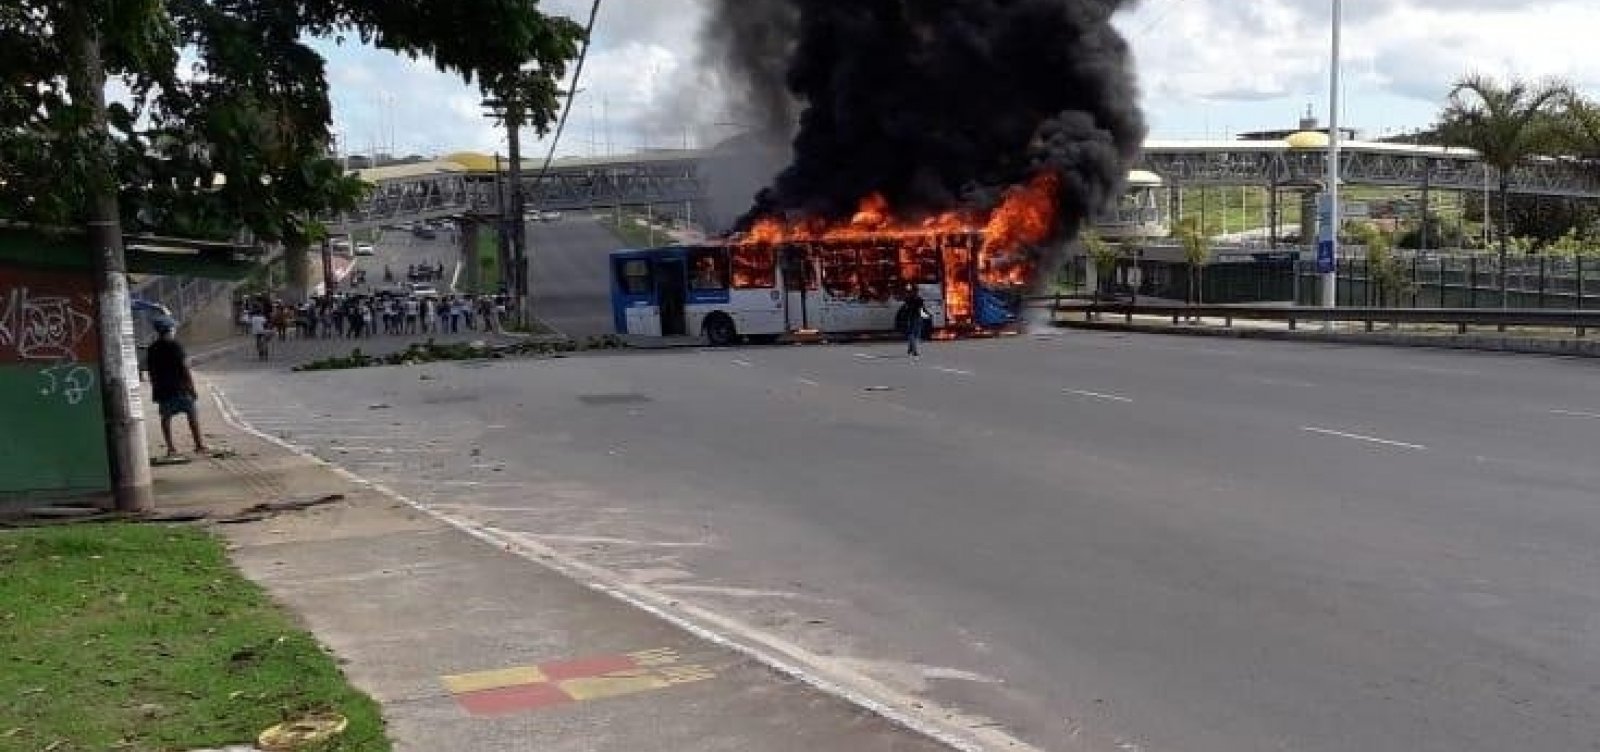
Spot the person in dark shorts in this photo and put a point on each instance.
(172, 385)
(915, 314)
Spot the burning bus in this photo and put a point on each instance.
(809, 276)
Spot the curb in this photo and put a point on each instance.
(1582, 348)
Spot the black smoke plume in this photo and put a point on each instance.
(937, 104)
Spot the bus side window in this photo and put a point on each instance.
(754, 267)
(880, 274)
(634, 277)
(710, 269)
(798, 272)
(841, 272)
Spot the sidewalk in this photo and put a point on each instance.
(470, 647)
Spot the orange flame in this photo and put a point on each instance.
(958, 293)
(1025, 218)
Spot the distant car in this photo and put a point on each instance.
(425, 232)
(365, 249)
(550, 216)
(423, 290)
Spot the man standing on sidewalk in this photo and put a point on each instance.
(172, 385)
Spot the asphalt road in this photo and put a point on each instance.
(1093, 540)
(398, 249)
(571, 289)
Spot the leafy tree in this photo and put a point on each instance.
(1506, 123)
(238, 142)
(1576, 244)
(1582, 118)
(1386, 274)
(1543, 218)
(1103, 254)
(1196, 252)
(1441, 234)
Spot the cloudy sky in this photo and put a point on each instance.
(1207, 68)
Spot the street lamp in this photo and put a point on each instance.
(1328, 242)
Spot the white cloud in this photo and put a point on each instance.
(1206, 66)
(1222, 60)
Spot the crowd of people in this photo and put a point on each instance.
(363, 316)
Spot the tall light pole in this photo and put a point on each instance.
(1328, 241)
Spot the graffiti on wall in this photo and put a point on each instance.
(47, 327)
(47, 321)
(71, 382)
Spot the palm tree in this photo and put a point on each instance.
(1506, 123)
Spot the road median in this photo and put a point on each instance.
(1532, 344)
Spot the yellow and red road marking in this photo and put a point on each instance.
(527, 688)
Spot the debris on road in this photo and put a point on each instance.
(265, 511)
(432, 352)
(302, 734)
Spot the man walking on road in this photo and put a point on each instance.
(261, 332)
(916, 315)
(172, 385)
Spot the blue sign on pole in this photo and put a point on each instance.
(1325, 261)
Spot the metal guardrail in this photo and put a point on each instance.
(1462, 318)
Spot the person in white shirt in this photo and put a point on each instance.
(262, 334)
(412, 308)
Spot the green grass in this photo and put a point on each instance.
(488, 261)
(1246, 209)
(141, 637)
(632, 234)
(1209, 203)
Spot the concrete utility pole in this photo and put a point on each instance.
(128, 446)
(327, 266)
(1328, 247)
(518, 227)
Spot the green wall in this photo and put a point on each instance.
(50, 444)
(52, 430)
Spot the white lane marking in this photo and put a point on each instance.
(302, 421)
(1438, 371)
(330, 437)
(1097, 395)
(944, 724)
(613, 541)
(809, 382)
(380, 450)
(742, 592)
(743, 363)
(1281, 382)
(1576, 414)
(953, 371)
(1359, 437)
(864, 356)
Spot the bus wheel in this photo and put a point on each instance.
(720, 331)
